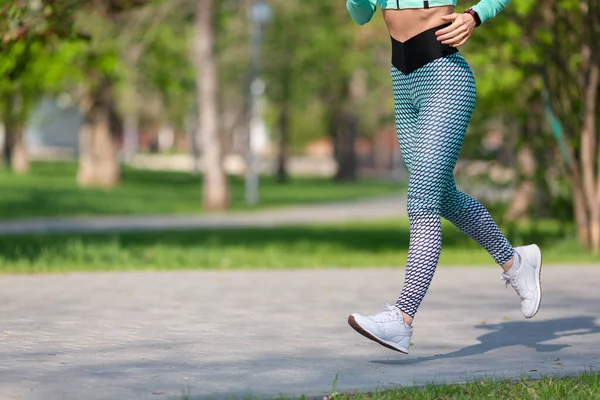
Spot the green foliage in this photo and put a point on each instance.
(45, 20)
(165, 66)
(36, 57)
(50, 45)
(312, 49)
(35, 20)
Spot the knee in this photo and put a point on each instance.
(424, 201)
(449, 202)
(429, 191)
(454, 203)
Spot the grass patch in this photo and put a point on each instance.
(585, 387)
(50, 190)
(357, 244)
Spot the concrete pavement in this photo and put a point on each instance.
(221, 334)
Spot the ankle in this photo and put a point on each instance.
(513, 264)
(509, 264)
(408, 320)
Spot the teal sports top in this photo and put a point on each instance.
(362, 11)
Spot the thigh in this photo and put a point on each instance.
(436, 147)
(405, 114)
(445, 98)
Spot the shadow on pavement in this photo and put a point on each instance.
(531, 334)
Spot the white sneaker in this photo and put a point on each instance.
(386, 328)
(526, 280)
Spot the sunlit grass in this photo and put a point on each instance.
(356, 244)
(50, 190)
(585, 387)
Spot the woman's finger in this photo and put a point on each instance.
(460, 40)
(450, 28)
(456, 39)
(460, 30)
(450, 17)
(450, 35)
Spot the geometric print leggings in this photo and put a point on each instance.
(433, 106)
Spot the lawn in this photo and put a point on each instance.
(50, 190)
(357, 244)
(585, 387)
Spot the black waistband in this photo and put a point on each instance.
(419, 50)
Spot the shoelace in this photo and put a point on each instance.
(391, 313)
(513, 282)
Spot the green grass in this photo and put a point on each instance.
(378, 243)
(50, 190)
(585, 387)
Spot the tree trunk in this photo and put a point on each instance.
(589, 163)
(15, 151)
(525, 192)
(593, 111)
(215, 190)
(282, 142)
(9, 138)
(20, 158)
(130, 137)
(343, 129)
(98, 161)
(345, 132)
(530, 198)
(581, 215)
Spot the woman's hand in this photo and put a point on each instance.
(456, 34)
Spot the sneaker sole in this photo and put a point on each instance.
(356, 326)
(539, 285)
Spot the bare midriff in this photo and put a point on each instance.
(406, 23)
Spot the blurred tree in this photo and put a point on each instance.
(283, 38)
(505, 56)
(15, 100)
(98, 163)
(154, 45)
(334, 65)
(30, 32)
(233, 57)
(572, 79)
(547, 64)
(25, 24)
(116, 40)
(165, 66)
(337, 62)
(216, 189)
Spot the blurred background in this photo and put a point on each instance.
(130, 109)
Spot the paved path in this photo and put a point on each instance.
(384, 207)
(219, 334)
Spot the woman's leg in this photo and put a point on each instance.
(444, 94)
(445, 98)
(433, 107)
(390, 328)
(471, 217)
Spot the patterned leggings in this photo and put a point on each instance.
(433, 107)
